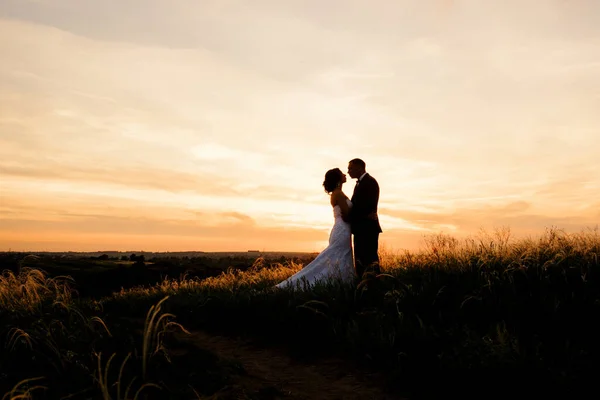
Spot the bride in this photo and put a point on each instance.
(336, 260)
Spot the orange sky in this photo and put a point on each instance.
(186, 125)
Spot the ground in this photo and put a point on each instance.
(270, 373)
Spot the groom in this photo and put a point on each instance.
(364, 222)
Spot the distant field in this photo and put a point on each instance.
(101, 273)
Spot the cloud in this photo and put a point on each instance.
(239, 217)
(129, 233)
(516, 215)
(132, 177)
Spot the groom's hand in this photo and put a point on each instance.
(373, 216)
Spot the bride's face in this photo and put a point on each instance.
(343, 180)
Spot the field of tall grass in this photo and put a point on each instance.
(56, 346)
(486, 317)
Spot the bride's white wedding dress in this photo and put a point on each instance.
(334, 262)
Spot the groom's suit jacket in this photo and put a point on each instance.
(364, 202)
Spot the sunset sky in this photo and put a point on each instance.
(172, 125)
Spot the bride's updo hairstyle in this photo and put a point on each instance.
(333, 177)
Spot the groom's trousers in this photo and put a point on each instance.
(366, 259)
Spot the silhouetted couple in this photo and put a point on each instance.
(356, 216)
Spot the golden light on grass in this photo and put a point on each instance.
(442, 251)
(26, 290)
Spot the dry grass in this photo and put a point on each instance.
(475, 298)
(101, 379)
(496, 249)
(259, 276)
(23, 390)
(156, 325)
(28, 289)
(488, 251)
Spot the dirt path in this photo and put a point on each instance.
(272, 374)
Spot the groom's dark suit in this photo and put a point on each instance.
(366, 230)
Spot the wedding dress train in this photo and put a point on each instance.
(334, 262)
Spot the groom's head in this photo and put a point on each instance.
(356, 167)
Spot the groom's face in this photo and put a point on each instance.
(353, 171)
